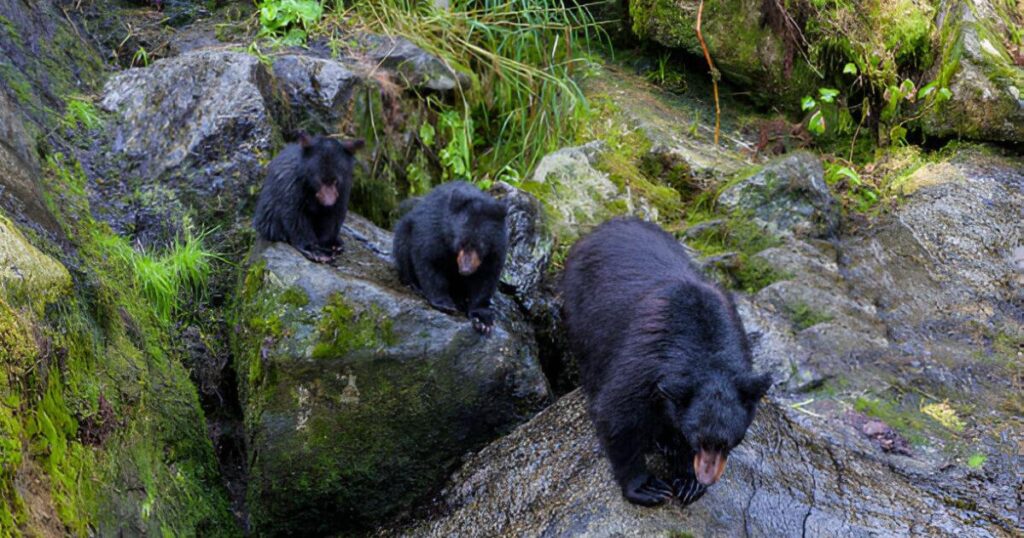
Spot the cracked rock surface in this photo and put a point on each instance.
(550, 478)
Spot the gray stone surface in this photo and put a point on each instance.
(360, 400)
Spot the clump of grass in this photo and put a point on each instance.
(520, 57)
(803, 315)
(165, 279)
(80, 110)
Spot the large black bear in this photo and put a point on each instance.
(450, 245)
(305, 195)
(663, 358)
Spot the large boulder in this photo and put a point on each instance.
(985, 76)
(189, 133)
(746, 50)
(359, 397)
(794, 475)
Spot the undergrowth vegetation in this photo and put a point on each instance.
(515, 61)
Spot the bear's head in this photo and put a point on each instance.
(712, 413)
(326, 164)
(477, 229)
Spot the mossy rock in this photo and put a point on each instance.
(747, 52)
(358, 397)
(986, 81)
(27, 272)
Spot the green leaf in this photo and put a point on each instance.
(427, 133)
(816, 124)
(849, 173)
(907, 88)
(828, 94)
(850, 69)
(944, 95)
(926, 90)
(807, 103)
(295, 37)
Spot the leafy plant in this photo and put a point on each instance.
(80, 110)
(141, 57)
(289, 19)
(842, 176)
(518, 56)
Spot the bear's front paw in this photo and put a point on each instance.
(688, 490)
(317, 255)
(646, 490)
(483, 321)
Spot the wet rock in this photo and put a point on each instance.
(414, 66)
(203, 109)
(682, 151)
(986, 80)
(26, 270)
(318, 90)
(793, 475)
(577, 194)
(359, 397)
(20, 193)
(944, 253)
(189, 134)
(529, 245)
(788, 195)
(744, 46)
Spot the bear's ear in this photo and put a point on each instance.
(305, 142)
(458, 201)
(753, 387)
(353, 145)
(675, 388)
(500, 209)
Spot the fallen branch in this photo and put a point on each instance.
(715, 75)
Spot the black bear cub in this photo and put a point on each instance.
(663, 357)
(451, 247)
(305, 195)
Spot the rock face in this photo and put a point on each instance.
(986, 78)
(189, 134)
(359, 397)
(788, 478)
(744, 48)
(788, 195)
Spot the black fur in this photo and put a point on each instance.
(288, 208)
(428, 238)
(663, 356)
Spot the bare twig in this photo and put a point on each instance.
(714, 72)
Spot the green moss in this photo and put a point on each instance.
(19, 84)
(12, 30)
(139, 461)
(905, 417)
(724, 232)
(628, 177)
(977, 460)
(295, 296)
(803, 315)
(342, 329)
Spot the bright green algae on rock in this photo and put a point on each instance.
(95, 407)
